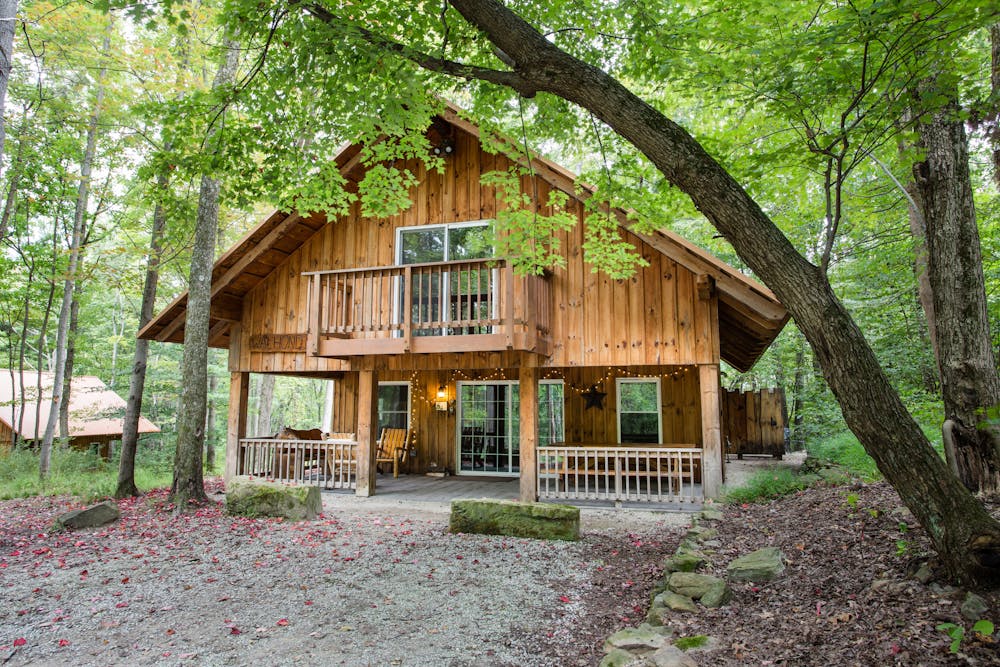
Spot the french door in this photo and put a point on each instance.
(488, 428)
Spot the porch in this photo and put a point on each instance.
(663, 475)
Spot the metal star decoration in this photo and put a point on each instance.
(593, 398)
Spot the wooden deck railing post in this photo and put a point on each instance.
(508, 274)
(315, 301)
(407, 307)
(239, 392)
(528, 437)
(366, 434)
(711, 432)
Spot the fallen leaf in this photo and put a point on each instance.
(282, 621)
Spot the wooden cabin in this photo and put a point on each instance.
(95, 412)
(581, 385)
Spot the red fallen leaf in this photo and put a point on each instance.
(235, 631)
(309, 603)
(20, 641)
(122, 605)
(564, 598)
(171, 631)
(64, 642)
(896, 649)
(282, 622)
(83, 574)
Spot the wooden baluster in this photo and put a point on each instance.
(407, 308)
(509, 307)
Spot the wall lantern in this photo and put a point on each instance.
(441, 403)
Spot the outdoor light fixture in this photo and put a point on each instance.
(441, 399)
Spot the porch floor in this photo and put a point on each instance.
(420, 489)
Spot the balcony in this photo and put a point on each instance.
(475, 305)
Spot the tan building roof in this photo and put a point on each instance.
(95, 410)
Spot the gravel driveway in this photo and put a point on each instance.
(367, 584)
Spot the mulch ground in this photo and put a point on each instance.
(845, 597)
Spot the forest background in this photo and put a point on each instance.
(120, 105)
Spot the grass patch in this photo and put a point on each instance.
(687, 643)
(81, 474)
(845, 450)
(768, 484)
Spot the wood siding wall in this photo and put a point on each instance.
(654, 318)
(433, 432)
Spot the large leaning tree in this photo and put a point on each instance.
(330, 62)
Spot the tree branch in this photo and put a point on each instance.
(424, 60)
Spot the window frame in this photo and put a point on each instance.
(409, 400)
(659, 406)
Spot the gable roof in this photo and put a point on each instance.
(750, 315)
(94, 410)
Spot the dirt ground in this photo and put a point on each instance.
(381, 585)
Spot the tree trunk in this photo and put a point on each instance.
(14, 182)
(137, 380)
(963, 533)
(995, 88)
(959, 319)
(798, 387)
(188, 485)
(210, 424)
(8, 23)
(264, 404)
(67, 386)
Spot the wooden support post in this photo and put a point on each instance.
(711, 430)
(528, 391)
(367, 431)
(239, 391)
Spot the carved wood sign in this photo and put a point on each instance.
(277, 343)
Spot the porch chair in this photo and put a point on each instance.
(393, 447)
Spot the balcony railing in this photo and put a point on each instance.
(461, 306)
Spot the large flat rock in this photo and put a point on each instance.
(90, 517)
(257, 497)
(544, 521)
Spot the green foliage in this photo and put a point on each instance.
(957, 633)
(845, 450)
(524, 234)
(76, 473)
(766, 485)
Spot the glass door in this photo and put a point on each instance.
(446, 296)
(488, 428)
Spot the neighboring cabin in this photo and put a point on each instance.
(95, 412)
(420, 331)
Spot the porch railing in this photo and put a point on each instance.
(467, 305)
(323, 463)
(630, 474)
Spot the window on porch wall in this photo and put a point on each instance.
(393, 405)
(639, 412)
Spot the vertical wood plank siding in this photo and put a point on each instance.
(654, 318)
